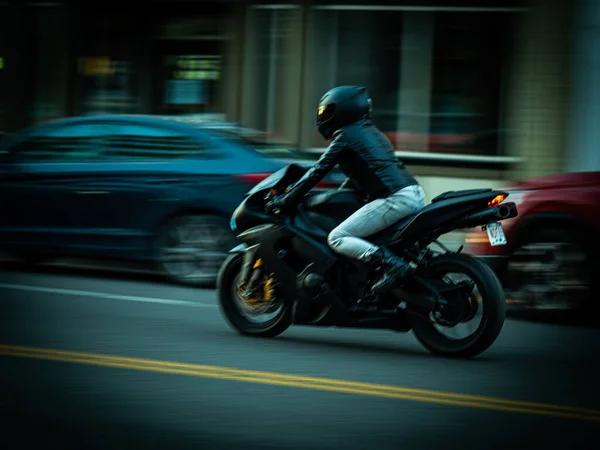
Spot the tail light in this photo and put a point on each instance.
(253, 179)
(497, 200)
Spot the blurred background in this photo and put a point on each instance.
(471, 93)
(129, 133)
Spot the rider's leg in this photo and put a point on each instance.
(375, 216)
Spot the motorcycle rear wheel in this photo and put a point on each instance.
(493, 302)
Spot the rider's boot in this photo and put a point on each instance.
(394, 269)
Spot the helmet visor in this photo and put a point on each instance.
(324, 113)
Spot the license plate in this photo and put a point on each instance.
(495, 234)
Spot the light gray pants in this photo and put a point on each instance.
(373, 217)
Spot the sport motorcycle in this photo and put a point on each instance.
(284, 273)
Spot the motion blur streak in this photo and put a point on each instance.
(251, 376)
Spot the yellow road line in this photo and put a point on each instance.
(349, 387)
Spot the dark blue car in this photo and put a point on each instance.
(127, 187)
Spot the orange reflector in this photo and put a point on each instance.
(497, 200)
(477, 240)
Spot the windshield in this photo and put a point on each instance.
(281, 178)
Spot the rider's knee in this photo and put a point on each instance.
(335, 238)
(332, 239)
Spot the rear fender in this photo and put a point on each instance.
(442, 214)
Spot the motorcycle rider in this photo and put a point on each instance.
(367, 158)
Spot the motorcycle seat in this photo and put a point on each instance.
(455, 194)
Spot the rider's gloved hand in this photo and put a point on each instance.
(279, 204)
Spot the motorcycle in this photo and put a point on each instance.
(283, 272)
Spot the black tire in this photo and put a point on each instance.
(494, 310)
(546, 233)
(229, 270)
(212, 224)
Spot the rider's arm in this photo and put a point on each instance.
(316, 173)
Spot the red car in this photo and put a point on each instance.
(551, 257)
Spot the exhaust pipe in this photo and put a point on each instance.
(500, 212)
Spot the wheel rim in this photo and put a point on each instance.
(263, 314)
(193, 249)
(469, 317)
(552, 275)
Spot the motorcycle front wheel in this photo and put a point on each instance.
(485, 299)
(262, 314)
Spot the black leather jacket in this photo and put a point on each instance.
(366, 156)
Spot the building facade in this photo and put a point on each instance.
(471, 92)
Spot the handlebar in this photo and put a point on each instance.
(270, 209)
(270, 198)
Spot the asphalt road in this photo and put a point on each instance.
(91, 361)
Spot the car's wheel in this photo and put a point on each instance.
(190, 249)
(554, 269)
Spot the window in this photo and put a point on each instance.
(469, 64)
(353, 47)
(143, 142)
(190, 57)
(436, 79)
(109, 51)
(71, 143)
(4, 100)
(272, 71)
(48, 63)
(189, 84)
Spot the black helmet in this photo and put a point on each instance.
(341, 106)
